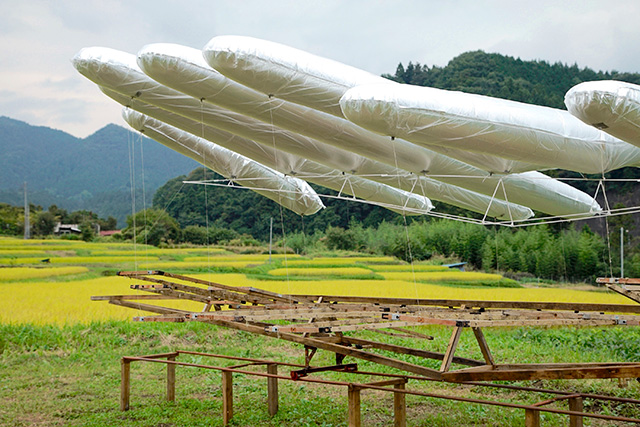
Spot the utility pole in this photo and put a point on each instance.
(27, 225)
(621, 252)
(270, 238)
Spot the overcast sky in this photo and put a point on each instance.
(38, 38)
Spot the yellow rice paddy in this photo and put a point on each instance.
(23, 273)
(23, 300)
(337, 271)
(408, 267)
(165, 265)
(322, 261)
(441, 276)
(78, 260)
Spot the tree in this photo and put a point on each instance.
(153, 227)
(44, 224)
(88, 231)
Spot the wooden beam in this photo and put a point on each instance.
(610, 308)
(147, 307)
(545, 372)
(451, 348)
(484, 347)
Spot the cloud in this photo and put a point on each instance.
(39, 37)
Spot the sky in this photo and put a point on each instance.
(38, 38)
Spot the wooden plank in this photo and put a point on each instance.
(147, 307)
(610, 308)
(173, 294)
(543, 373)
(451, 348)
(272, 389)
(338, 328)
(129, 297)
(218, 293)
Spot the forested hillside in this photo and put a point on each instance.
(250, 213)
(492, 74)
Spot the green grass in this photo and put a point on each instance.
(54, 375)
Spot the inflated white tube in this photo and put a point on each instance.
(290, 192)
(608, 105)
(285, 72)
(389, 197)
(118, 71)
(183, 69)
(504, 128)
(300, 77)
(203, 150)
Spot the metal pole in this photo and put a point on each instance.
(270, 238)
(621, 251)
(27, 224)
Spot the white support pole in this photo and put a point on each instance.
(621, 251)
(270, 238)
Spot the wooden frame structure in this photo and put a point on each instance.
(397, 384)
(321, 321)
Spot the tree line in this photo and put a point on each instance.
(42, 222)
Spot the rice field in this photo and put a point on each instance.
(339, 271)
(25, 273)
(331, 261)
(61, 294)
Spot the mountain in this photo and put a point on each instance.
(93, 173)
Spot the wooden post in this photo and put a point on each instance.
(354, 406)
(272, 389)
(451, 349)
(171, 380)
(125, 383)
(399, 407)
(484, 348)
(531, 418)
(575, 404)
(227, 397)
